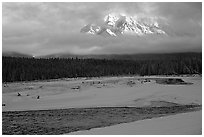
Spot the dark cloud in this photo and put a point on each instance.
(45, 28)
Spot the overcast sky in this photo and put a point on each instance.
(46, 28)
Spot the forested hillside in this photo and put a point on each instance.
(26, 69)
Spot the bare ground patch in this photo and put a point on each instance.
(172, 81)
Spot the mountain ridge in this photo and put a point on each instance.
(136, 56)
(115, 25)
(141, 56)
(16, 54)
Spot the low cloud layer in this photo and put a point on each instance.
(47, 28)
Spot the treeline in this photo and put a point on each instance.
(27, 69)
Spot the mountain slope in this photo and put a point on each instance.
(156, 56)
(15, 54)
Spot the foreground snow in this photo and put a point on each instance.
(112, 91)
(116, 92)
(180, 124)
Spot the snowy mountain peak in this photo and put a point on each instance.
(111, 19)
(121, 24)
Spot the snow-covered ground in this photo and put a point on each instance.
(108, 92)
(180, 124)
(111, 91)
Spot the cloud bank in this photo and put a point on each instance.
(47, 28)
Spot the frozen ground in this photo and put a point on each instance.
(180, 124)
(114, 92)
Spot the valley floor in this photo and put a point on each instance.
(110, 92)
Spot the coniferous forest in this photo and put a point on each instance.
(27, 69)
